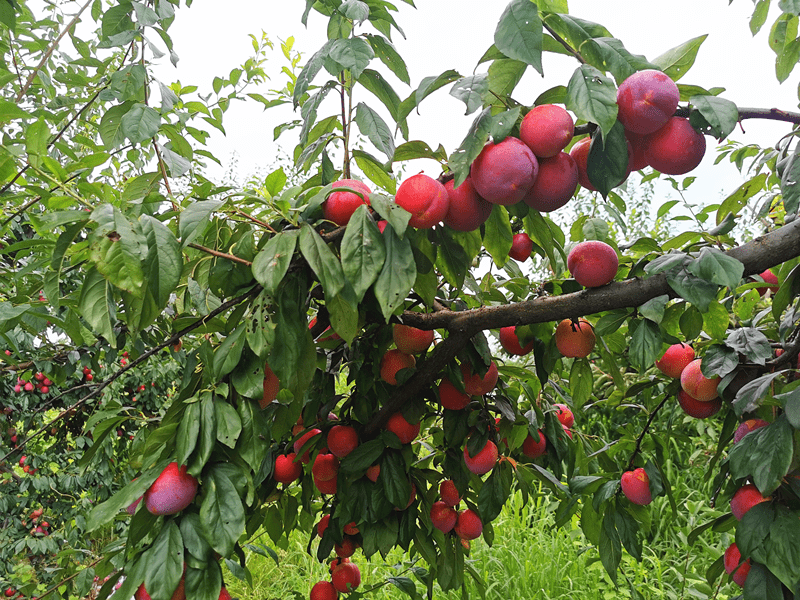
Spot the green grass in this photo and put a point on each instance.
(530, 558)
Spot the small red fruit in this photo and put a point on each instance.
(301, 441)
(325, 467)
(323, 590)
(346, 549)
(271, 387)
(392, 362)
(449, 493)
(575, 339)
(469, 525)
(425, 198)
(647, 100)
(533, 448)
(286, 469)
(675, 359)
(734, 566)
(695, 408)
(747, 427)
(340, 206)
(769, 277)
(636, 486)
(546, 129)
(696, 384)
(411, 340)
(745, 498)
(510, 342)
(503, 173)
(342, 440)
(564, 415)
(593, 263)
(398, 425)
(346, 577)
(450, 397)
(676, 148)
(373, 472)
(171, 492)
(483, 461)
(443, 516)
(521, 247)
(474, 384)
(467, 210)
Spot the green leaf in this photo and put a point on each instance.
(221, 511)
(752, 343)
(105, 512)
(252, 443)
(721, 114)
(364, 456)
(418, 149)
(229, 425)
(519, 33)
(116, 20)
(498, 236)
(374, 170)
(8, 17)
(609, 54)
(343, 311)
(37, 135)
(164, 563)
(194, 218)
(363, 252)
(375, 83)
(140, 123)
(395, 214)
(271, 264)
(470, 148)
(607, 164)
(738, 199)
(654, 309)
(426, 87)
(10, 111)
(753, 394)
(764, 455)
(375, 128)
(580, 382)
(96, 305)
(495, 492)
(294, 359)
(720, 360)
(593, 97)
(188, 432)
(163, 264)
(717, 267)
(205, 583)
(389, 56)
(451, 259)
(395, 481)
(118, 249)
(353, 54)
(322, 260)
(398, 274)
(789, 183)
(646, 344)
(470, 90)
(610, 547)
(678, 60)
(692, 289)
(208, 435)
(355, 10)
(310, 71)
(759, 17)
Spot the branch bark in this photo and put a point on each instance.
(762, 253)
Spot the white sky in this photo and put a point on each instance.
(443, 34)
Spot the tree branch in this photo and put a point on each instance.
(760, 254)
(50, 50)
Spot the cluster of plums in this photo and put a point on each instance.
(535, 169)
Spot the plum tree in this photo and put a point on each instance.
(280, 300)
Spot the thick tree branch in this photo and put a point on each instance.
(757, 256)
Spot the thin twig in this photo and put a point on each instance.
(52, 589)
(561, 41)
(50, 51)
(639, 439)
(254, 220)
(221, 254)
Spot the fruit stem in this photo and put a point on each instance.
(561, 41)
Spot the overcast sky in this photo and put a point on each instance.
(211, 38)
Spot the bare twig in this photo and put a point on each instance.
(51, 49)
(221, 254)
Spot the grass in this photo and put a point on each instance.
(530, 558)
